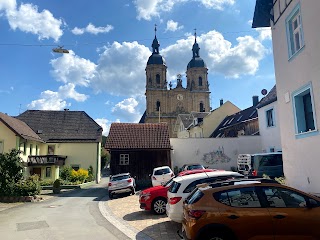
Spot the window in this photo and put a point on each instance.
(37, 150)
(75, 167)
(283, 198)
(158, 105)
(303, 110)
(243, 197)
(1, 147)
(51, 150)
(294, 31)
(31, 149)
(270, 117)
(24, 149)
(158, 78)
(200, 81)
(201, 107)
(124, 159)
(48, 172)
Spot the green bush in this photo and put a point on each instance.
(79, 176)
(90, 174)
(46, 182)
(66, 173)
(29, 187)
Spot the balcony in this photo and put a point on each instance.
(42, 160)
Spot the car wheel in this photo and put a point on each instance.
(216, 235)
(159, 206)
(110, 195)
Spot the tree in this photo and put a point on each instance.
(10, 171)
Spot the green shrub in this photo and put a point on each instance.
(46, 182)
(66, 173)
(90, 174)
(57, 183)
(29, 187)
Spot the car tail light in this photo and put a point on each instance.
(254, 173)
(154, 178)
(172, 174)
(174, 200)
(109, 184)
(196, 213)
(129, 180)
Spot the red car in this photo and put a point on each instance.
(155, 198)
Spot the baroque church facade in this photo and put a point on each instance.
(164, 101)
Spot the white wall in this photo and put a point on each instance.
(270, 136)
(300, 155)
(220, 153)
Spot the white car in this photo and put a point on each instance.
(161, 175)
(121, 183)
(182, 186)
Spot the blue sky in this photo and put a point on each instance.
(110, 42)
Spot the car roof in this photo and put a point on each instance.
(163, 167)
(205, 174)
(194, 171)
(191, 164)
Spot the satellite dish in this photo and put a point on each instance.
(264, 92)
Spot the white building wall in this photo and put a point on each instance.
(219, 153)
(300, 154)
(270, 136)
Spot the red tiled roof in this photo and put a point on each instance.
(138, 136)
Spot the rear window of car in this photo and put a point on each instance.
(118, 178)
(174, 187)
(194, 197)
(162, 171)
(191, 167)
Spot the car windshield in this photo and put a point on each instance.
(162, 171)
(198, 166)
(118, 178)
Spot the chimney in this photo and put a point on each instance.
(255, 100)
(221, 101)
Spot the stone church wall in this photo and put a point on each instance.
(219, 153)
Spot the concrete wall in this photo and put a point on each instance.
(270, 136)
(300, 151)
(220, 153)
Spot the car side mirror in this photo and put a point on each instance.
(312, 203)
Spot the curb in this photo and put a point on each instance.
(121, 225)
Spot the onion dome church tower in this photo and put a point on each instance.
(163, 101)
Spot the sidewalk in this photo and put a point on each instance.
(142, 223)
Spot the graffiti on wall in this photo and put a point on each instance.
(216, 157)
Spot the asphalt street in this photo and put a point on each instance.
(73, 215)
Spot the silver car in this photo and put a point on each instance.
(121, 183)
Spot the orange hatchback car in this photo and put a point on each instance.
(250, 210)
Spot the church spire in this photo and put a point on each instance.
(195, 47)
(155, 43)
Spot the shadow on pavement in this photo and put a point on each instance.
(142, 215)
(163, 230)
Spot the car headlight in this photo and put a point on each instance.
(145, 195)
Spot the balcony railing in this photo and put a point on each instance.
(46, 160)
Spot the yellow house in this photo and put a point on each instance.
(201, 125)
(49, 140)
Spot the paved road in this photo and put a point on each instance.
(72, 215)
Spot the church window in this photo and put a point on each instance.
(158, 78)
(201, 107)
(200, 81)
(158, 105)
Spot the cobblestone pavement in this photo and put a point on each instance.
(127, 208)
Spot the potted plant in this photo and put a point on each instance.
(56, 186)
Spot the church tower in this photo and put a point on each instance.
(163, 101)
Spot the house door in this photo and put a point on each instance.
(37, 171)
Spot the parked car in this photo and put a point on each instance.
(121, 183)
(192, 166)
(182, 186)
(161, 175)
(256, 210)
(155, 198)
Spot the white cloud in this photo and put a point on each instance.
(105, 124)
(173, 26)
(50, 100)
(264, 33)
(92, 29)
(128, 110)
(121, 69)
(70, 68)
(28, 19)
(218, 53)
(147, 9)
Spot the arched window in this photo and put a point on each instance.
(201, 107)
(200, 81)
(158, 105)
(158, 78)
